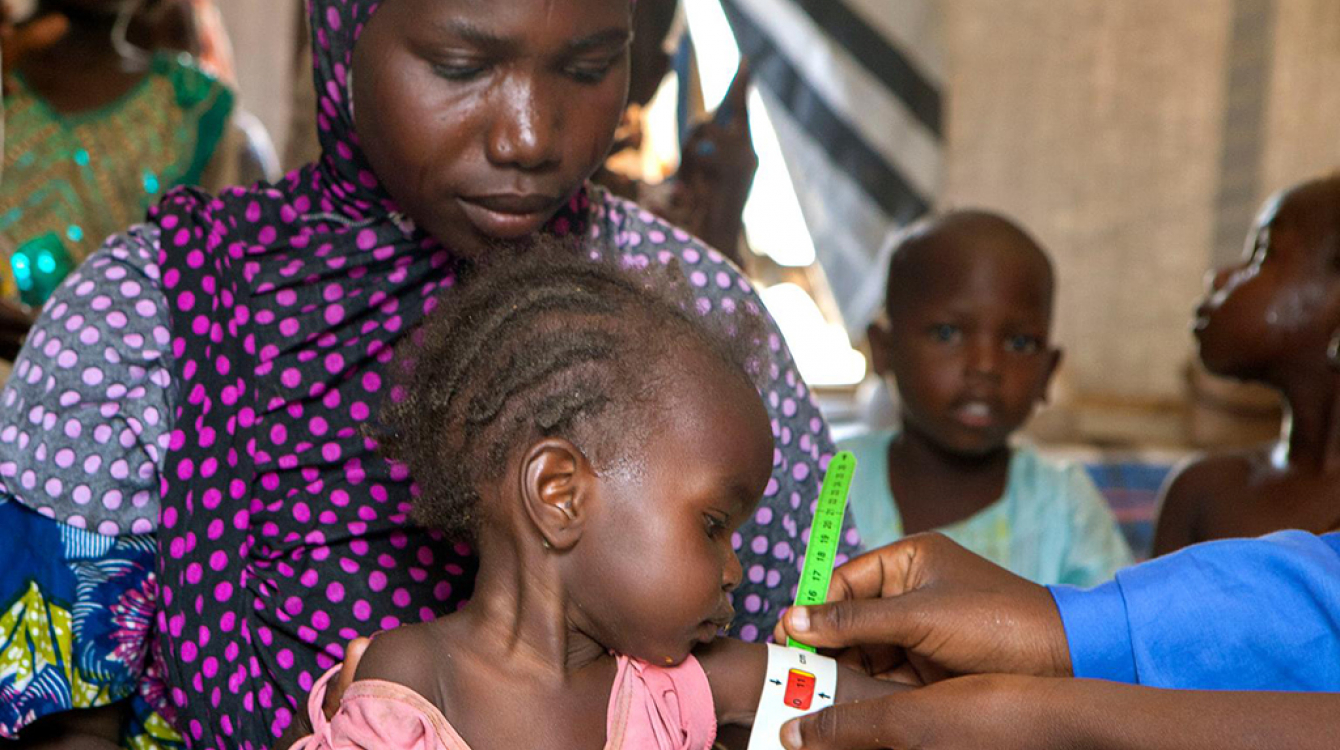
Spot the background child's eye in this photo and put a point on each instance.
(1023, 344)
(946, 333)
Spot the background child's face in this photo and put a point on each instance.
(655, 561)
(1276, 304)
(481, 119)
(968, 347)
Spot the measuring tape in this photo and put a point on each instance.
(799, 681)
(825, 533)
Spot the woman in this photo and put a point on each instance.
(240, 346)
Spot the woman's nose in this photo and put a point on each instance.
(525, 126)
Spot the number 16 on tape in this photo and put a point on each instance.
(825, 532)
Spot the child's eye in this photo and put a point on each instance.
(1022, 344)
(715, 525)
(946, 333)
(459, 71)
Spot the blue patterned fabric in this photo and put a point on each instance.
(76, 618)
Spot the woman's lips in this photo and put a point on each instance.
(509, 216)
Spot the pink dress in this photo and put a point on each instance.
(651, 708)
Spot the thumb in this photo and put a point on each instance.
(864, 725)
(889, 622)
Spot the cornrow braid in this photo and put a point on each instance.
(550, 342)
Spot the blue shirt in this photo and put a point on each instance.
(1235, 614)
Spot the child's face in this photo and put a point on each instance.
(968, 347)
(656, 563)
(1275, 303)
(481, 119)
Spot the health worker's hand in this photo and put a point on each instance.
(1002, 712)
(924, 609)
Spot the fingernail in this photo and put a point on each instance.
(791, 735)
(800, 618)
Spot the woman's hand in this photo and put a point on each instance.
(924, 609)
(708, 193)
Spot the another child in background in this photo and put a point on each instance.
(101, 123)
(966, 340)
(600, 443)
(1274, 318)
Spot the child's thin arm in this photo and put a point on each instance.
(736, 670)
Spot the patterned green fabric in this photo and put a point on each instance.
(72, 180)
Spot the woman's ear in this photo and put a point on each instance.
(557, 485)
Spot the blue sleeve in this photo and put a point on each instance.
(1237, 614)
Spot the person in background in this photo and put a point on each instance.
(1226, 645)
(1274, 319)
(967, 342)
(707, 192)
(241, 344)
(100, 123)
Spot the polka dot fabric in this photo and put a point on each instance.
(282, 534)
(83, 424)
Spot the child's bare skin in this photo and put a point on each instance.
(1273, 319)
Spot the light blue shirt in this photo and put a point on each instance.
(1052, 525)
(1234, 614)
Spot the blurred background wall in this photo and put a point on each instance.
(1135, 138)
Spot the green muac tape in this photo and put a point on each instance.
(825, 533)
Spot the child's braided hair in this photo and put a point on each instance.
(553, 341)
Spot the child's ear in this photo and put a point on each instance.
(556, 485)
(1054, 357)
(880, 337)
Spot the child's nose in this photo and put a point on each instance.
(984, 357)
(732, 574)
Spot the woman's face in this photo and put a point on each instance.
(482, 118)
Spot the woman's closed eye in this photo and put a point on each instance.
(460, 70)
(592, 70)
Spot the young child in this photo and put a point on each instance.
(600, 443)
(969, 307)
(1272, 319)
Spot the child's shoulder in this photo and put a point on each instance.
(1201, 485)
(408, 656)
(1213, 474)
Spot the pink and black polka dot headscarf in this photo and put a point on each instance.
(283, 534)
